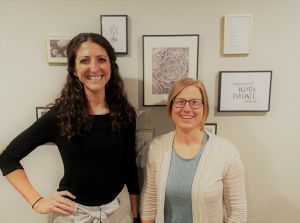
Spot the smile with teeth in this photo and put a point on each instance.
(186, 117)
(95, 77)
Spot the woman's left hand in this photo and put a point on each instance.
(56, 203)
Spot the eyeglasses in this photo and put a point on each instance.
(194, 103)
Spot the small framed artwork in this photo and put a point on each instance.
(237, 34)
(143, 138)
(211, 128)
(244, 91)
(166, 59)
(57, 48)
(40, 111)
(115, 29)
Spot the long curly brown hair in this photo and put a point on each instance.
(72, 106)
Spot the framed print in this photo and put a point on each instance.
(40, 111)
(57, 48)
(143, 138)
(237, 34)
(211, 127)
(166, 59)
(114, 29)
(244, 91)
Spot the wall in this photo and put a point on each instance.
(268, 142)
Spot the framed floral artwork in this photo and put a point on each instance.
(166, 59)
(57, 48)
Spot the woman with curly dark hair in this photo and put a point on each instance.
(93, 125)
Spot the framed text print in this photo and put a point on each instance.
(244, 91)
(114, 29)
(167, 58)
(237, 34)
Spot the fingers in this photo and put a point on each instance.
(60, 211)
(56, 203)
(63, 203)
(67, 194)
(66, 202)
(64, 206)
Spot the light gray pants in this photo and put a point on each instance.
(117, 211)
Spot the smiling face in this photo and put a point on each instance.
(188, 118)
(93, 68)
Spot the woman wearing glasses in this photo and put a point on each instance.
(192, 175)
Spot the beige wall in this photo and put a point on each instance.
(269, 143)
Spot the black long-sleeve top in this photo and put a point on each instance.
(96, 165)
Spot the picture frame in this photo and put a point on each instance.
(211, 128)
(237, 34)
(40, 111)
(244, 91)
(143, 139)
(56, 48)
(166, 59)
(115, 29)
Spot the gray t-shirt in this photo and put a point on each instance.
(178, 198)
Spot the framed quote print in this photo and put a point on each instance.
(244, 91)
(167, 58)
(237, 34)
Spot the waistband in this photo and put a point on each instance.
(95, 214)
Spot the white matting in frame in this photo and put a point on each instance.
(57, 48)
(114, 29)
(244, 91)
(211, 127)
(167, 58)
(143, 139)
(237, 34)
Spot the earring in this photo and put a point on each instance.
(78, 85)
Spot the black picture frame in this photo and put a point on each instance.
(211, 127)
(40, 111)
(244, 91)
(115, 29)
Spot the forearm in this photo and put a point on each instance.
(18, 179)
(234, 192)
(134, 205)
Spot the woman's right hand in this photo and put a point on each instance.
(56, 203)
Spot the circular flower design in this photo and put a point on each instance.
(169, 65)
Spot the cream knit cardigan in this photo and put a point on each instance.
(218, 189)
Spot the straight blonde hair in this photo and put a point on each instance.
(182, 84)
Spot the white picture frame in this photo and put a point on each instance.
(115, 29)
(56, 48)
(244, 91)
(143, 139)
(166, 59)
(237, 34)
